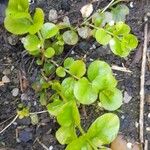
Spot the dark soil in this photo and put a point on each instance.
(14, 62)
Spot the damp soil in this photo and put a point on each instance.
(16, 63)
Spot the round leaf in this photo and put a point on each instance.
(84, 92)
(38, 20)
(115, 46)
(104, 129)
(55, 107)
(49, 52)
(78, 68)
(79, 144)
(129, 41)
(102, 36)
(60, 72)
(111, 99)
(49, 30)
(67, 87)
(66, 135)
(107, 81)
(17, 26)
(68, 61)
(98, 68)
(70, 37)
(31, 42)
(122, 28)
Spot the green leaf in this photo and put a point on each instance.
(16, 7)
(121, 28)
(84, 92)
(104, 129)
(31, 43)
(111, 99)
(49, 52)
(68, 62)
(48, 68)
(70, 37)
(23, 113)
(67, 87)
(115, 46)
(79, 144)
(69, 115)
(44, 84)
(43, 99)
(38, 20)
(17, 26)
(60, 72)
(102, 36)
(58, 47)
(97, 19)
(55, 107)
(78, 68)
(98, 68)
(49, 30)
(120, 12)
(102, 82)
(129, 41)
(66, 135)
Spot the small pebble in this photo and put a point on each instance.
(127, 97)
(66, 20)
(149, 115)
(24, 97)
(50, 148)
(6, 71)
(136, 124)
(15, 92)
(53, 15)
(122, 117)
(148, 129)
(13, 39)
(5, 79)
(131, 4)
(129, 145)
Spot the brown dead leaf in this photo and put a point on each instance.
(119, 143)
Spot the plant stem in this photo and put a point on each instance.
(81, 129)
(52, 61)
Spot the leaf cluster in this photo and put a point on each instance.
(76, 83)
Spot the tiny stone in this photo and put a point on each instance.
(136, 124)
(91, 59)
(15, 92)
(24, 97)
(72, 52)
(15, 123)
(129, 145)
(127, 97)
(5, 79)
(12, 68)
(149, 115)
(131, 4)
(122, 117)
(51, 147)
(66, 20)
(6, 71)
(148, 129)
(147, 82)
(13, 39)
(53, 15)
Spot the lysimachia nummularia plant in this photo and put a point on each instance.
(76, 83)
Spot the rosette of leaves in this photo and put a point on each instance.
(109, 28)
(88, 85)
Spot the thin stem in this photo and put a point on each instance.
(40, 112)
(107, 6)
(52, 61)
(81, 129)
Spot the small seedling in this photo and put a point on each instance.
(76, 83)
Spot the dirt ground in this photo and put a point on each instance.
(14, 62)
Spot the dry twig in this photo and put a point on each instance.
(142, 78)
(123, 69)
